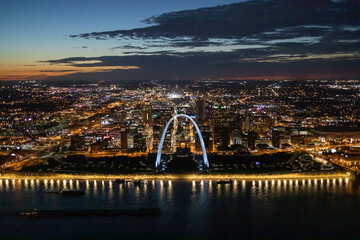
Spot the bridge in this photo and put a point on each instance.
(158, 157)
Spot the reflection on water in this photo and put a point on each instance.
(164, 189)
(164, 183)
(203, 206)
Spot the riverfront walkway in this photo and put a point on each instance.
(206, 176)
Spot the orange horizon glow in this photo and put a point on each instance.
(14, 72)
(39, 72)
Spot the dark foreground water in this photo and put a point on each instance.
(190, 210)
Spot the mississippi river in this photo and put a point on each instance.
(199, 209)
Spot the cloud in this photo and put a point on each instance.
(128, 47)
(58, 71)
(251, 24)
(240, 20)
(23, 77)
(169, 52)
(260, 37)
(201, 65)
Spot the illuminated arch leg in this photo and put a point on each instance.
(158, 157)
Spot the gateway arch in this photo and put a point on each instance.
(158, 157)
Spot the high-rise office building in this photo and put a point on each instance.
(269, 121)
(139, 143)
(199, 110)
(246, 124)
(124, 139)
(252, 136)
(147, 113)
(276, 138)
(221, 137)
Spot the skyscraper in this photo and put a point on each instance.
(252, 139)
(199, 109)
(124, 143)
(221, 137)
(276, 137)
(147, 113)
(247, 122)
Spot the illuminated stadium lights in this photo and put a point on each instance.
(174, 95)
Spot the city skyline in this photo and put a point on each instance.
(220, 118)
(193, 119)
(139, 40)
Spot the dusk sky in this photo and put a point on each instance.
(188, 39)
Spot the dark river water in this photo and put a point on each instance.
(190, 210)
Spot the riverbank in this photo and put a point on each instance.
(195, 176)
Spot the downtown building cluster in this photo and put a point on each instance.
(235, 117)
